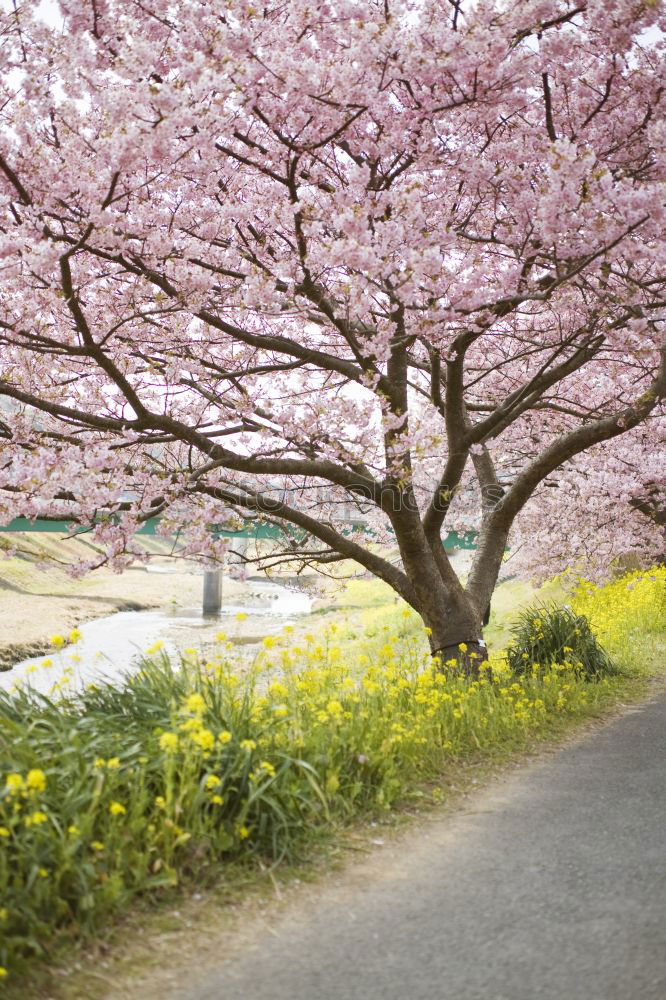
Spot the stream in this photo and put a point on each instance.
(111, 647)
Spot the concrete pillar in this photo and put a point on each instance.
(212, 591)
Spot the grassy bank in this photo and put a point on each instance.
(171, 778)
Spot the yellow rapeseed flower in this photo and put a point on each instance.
(217, 800)
(241, 616)
(14, 783)
(75, 635)
(36, 780)
(3, 972)
(169, 742)
(4, 832)
(248, 745)
(73, 829)
(57, 641)
(242, 832)
(203, 738)
(97, 845)
(117, 809)
(36, 819)
(224, 736)
(194, 704)
(212, 781)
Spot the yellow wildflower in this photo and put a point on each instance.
(117, 809)
(242, 832)
(57, 641)
(74, 635)
(212, 781)
(224, 736)
(14, 783)
(217, 800)
(248, 745)
(36, 819)
(194, 704)
(73, 829)
(4, 832)
(97, 845)
(169, 742)
(203, 738)
(36, 780)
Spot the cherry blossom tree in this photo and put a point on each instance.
(605, 506)
(280, 260)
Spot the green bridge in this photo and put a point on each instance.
(259, 531)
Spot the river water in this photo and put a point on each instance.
(111, 647)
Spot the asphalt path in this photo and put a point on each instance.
(550, 885)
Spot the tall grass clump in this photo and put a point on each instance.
(544, 634)
(162, 780)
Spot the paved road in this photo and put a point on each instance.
(550, 886)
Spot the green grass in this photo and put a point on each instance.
(141, 790)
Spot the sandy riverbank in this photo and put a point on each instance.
(36, 604)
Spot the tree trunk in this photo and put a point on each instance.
(453, 621)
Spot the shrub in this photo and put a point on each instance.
(545, 634)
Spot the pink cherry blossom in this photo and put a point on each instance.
(294, 262)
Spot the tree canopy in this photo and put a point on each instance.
(272, 260)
